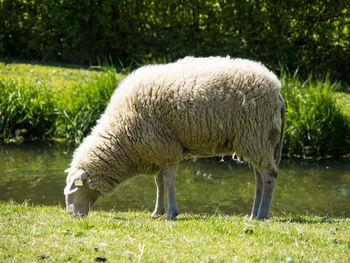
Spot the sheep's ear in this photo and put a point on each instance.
(74, 181)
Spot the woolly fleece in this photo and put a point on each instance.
(195, 107)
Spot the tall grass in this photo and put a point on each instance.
(25, 110)
(79, 107)
(34, 109)
(315, 123)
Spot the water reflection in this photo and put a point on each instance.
(35, 172)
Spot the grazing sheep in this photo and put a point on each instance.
(161, 114)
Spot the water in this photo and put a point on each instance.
(35, 172)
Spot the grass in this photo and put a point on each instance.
(55, 78)
(318, 117)
(43, 102)
(55, 103)
(30, 233)
(344, 99)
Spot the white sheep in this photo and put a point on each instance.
(161, 114)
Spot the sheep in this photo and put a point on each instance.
(192, 108)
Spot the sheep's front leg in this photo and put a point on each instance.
(160, 201)
(258, 193)
(269, 181)
(169, 178)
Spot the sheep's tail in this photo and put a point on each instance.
(283, 117)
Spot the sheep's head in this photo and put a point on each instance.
(79, 197)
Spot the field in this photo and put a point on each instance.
(58, 103)
(61, 104)
(33, 233)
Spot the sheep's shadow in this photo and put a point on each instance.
(309, 220)
(196, 217)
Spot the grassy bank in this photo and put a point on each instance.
(53, 103)
(318, 117)
(29, 234)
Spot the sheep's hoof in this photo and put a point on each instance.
(252, 217)
(265, 219)
(156, 215)
(171, 216)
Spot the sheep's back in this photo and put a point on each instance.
(206, 107)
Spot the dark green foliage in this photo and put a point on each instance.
(313, 36)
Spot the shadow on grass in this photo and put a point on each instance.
(309, 220)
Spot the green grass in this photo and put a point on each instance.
(344, 100)
(43, 102)
(30, 233)
(55, 103)
(318, 120)
(55, 78)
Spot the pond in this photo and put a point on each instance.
(35, 172)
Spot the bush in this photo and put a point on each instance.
(313, 36)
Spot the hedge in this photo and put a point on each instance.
(313, 36)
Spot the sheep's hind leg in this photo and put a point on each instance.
(258, 194)
(160, 201)
(169, 178)
(269, 181)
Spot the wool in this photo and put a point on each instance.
(195, 107)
